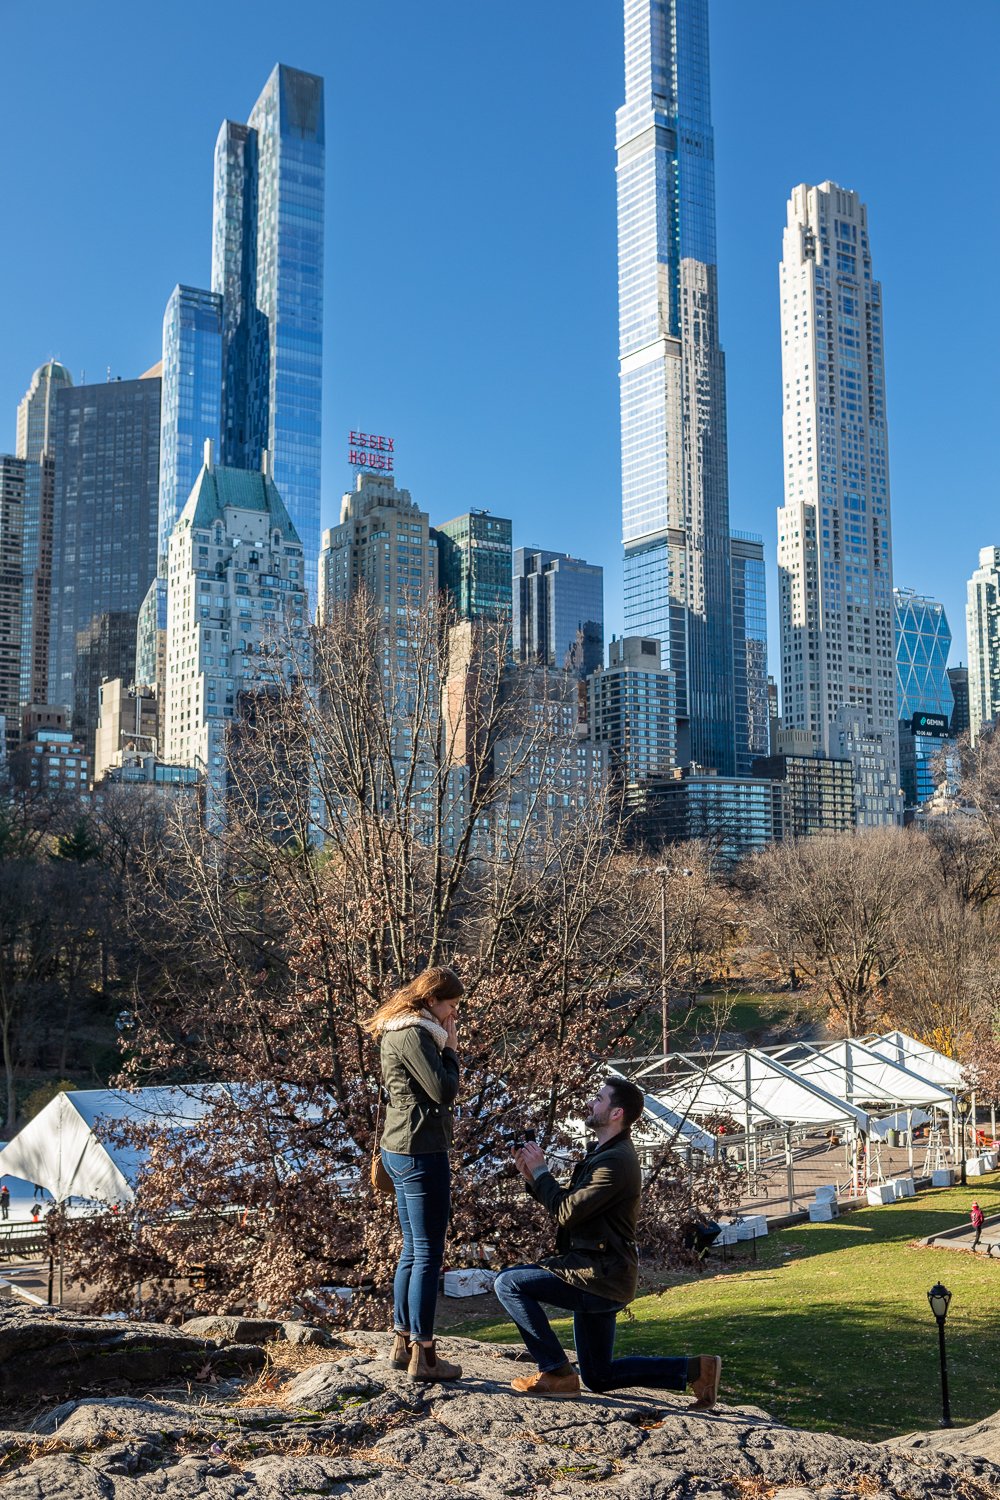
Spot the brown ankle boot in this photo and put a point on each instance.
(400, 1356)
(426, 1364)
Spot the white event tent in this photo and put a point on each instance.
(845, 1083)
(63, 1150)
(919, 1058)
(858, 1073)
(756, 1089)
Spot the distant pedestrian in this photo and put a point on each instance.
(35, 1213)
(977, 1223)
(5, 1202)
(39, 1191)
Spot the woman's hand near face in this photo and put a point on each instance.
(451, 1028)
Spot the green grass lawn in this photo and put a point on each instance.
(830, 1328)
(752, 1016)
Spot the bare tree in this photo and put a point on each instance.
(832, 909)
(417, 803)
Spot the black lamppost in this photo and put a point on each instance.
(939, 1298)
(962, 1108)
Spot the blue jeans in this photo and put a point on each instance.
(423, 1202)
(523, 1288)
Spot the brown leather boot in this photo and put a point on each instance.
(400, 1356)
(705, 1388)
(547, 1383)
(426, 1364)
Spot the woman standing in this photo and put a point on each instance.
(418, 1044)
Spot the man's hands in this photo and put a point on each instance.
(528, 1159)
(451, 1028)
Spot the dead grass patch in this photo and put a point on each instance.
(284, 1362)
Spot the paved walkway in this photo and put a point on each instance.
(960, 1237)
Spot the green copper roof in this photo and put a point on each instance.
(243, 489)
(53, 370)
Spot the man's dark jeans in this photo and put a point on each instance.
(423, 1202)
(521, 1291)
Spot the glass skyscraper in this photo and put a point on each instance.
(191, 400)
(749, 649)
(474, 564)
(106, 444)
(675, 494)
(267, 265)
(558, 611)
(923, 640)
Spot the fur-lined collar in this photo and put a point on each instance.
(424, 1019)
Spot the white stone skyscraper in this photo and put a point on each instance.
(838, 663)
(982, 625)
(236, 613)
(675, 487)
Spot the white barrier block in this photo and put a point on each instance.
(942, 1177)
(474, 1282)
(902, 1187)
(827, 1193)
(974, 1167)
(820, 1213)
(754, 1227)
(728, 1235)
(882, 1192)
(989, 1161)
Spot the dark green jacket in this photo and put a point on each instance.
(421, 1080)
(595, 1220)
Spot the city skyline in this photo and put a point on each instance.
(103, 306)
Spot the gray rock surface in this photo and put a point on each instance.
(58, 1353)
(231, 1330)
(982, 1440)
(352, 1425)
(305, 1333)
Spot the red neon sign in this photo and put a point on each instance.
(371, 450)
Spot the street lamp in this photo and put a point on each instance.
(664, 872)
(962, 1109)
(939, 1298)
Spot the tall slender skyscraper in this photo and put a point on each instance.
(675, 489)
(35, 425)
(749, 649)
(838, 661)
(267, 264)
(190, 402)
(982, 625)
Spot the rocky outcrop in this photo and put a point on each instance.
(59, 1353)
(232, 1330)
(352, 1425)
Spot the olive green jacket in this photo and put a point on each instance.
(421, 1079)
(595, 1220)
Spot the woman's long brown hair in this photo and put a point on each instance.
(438, 983)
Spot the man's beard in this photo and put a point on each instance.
(593, 1121)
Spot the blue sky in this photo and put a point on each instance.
(471, 279)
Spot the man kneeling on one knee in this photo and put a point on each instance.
(594, 1271)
